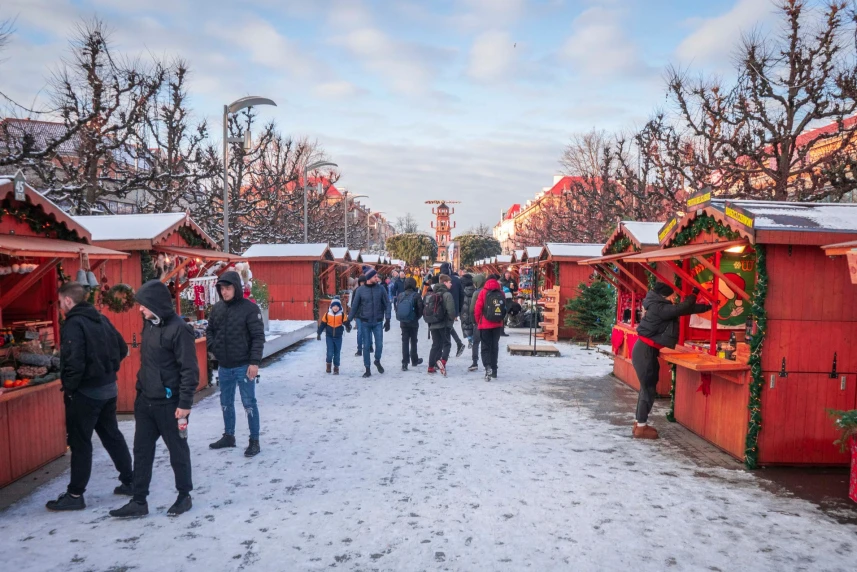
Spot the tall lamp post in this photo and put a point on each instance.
(346, 213)
(234, 107)
(307, 169)
(368, 225)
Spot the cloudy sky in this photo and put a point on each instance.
(456, 99)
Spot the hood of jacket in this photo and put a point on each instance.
(446, 268)
(466, 281)
(479, 281)
(85, 310)
(653, 297)
(440, 289)
(410, 284)
(234, 279)
(155, 296)
(492, 284)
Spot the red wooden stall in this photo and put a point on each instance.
(298, 276)
(631, 283)
(36, 238)
(169, 245)
(761, 263)
(559, 264)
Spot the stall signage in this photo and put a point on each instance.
(20, 186)
(667, 230)
(740, 216)
(699, 200)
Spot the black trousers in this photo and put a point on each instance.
(154, 421)
(645, 360)
(454, 335)
(409, 343)
(440, 345)
(490, 340)
(476, 339)
(83, 416)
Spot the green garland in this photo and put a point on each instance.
(671, 412)
(651, 277)
(556, 274)
(39, 222)
(192, 239)
(751, 451)
(147, 266)
(703, 223)
(621, 245)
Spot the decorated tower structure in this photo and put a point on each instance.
(442, 227)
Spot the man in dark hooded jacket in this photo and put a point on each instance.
(409, 304)
(371, 304)
(166, 384)
(658, 329)
(91, 352)
(236, 336)
(457, 292)
(467, 322)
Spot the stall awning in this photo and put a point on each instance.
(41, 247)
(839, 249)
(682, 252)
(603, 259)
(200, 253)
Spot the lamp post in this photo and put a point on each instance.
(307, 169)
(368, 226)
(346, 213)
(425, 263)
(234, 107)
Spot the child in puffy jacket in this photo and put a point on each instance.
(333, 324)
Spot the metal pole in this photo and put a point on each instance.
(225, 181)
(306, 240)
(346, 220)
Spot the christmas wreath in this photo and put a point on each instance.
(118, 299)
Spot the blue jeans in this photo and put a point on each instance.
(358, 322)
(367, 332)
(334, 348)
(229, 378)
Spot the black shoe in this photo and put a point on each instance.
(493, 374)
(359, 353)
(252, 449)
(378, 365)
(133, 509)
(66, 502)
(487, 374)
(368, 373)
(460, 350)
(405, 367)
(224, 442)
(125, 490)
(419, 362)
(181, 506)
(473, 367)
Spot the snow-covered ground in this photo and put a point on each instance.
(286, 326)
(409, 472)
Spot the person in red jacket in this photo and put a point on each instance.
(489, 313)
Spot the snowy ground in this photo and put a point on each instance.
(409, 472)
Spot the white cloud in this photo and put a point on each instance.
(486, 14)
(492, 56)
(714, 38)
(337, 89)
(600, 47)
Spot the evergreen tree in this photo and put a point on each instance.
(593, 311)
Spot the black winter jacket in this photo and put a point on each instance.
(457, 290)
(168, 368)
(467, 321)
(235, 332)
(371, 304)
(660, 321)
(91, 349)
(410, 291)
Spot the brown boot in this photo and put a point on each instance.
(328, 368)
(645, 432)
(336, 370)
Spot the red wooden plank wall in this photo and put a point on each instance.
(571, 274)
(289, 287)
(5, 457)
(623, 370)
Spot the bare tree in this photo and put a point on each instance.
(406, 224)
(481, 229)
(7, 28)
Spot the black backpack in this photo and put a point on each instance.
(434, 311)
(494, 308)
(406, 307)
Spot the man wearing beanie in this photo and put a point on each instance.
(658, 329)
(361, 281)
(371, 305)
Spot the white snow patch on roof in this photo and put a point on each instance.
(285, 250)
(130, 226)
(519, 254)
(504, 258)
(338, 253)
(645, 232)
(371, 258)
(574, 249)
(354, 254)
(534, 251)
(774, 215)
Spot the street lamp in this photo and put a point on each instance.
(307, 169)
(425, 262)
(346, 212)
(368, 226)
(234, 107)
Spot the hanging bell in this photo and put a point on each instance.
(81, 277)
(91, 279)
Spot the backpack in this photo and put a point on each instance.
(406, 307)
(494, 307)
(434, 311)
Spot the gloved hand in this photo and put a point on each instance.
(695, 291)
(318, 337)
(348, 327)
(387, 325)
(707, 308)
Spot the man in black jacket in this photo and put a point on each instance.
(166, 383)
(457, 292)
(90, 353)
(658, 329)
(409, 304)
(236, 337)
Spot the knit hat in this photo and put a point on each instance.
(361, 279)
(336, 303)
(662, 289)
(369, 274)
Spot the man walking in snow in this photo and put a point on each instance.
(658, 329)
(371, 305)
(236, 336)
(166, 384)
(409, 311)
(478, 284)
(90, 355)
(361, 281)
(489, 312)
(439, 314)
(457, 293)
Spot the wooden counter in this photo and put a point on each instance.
(623, 369)
(202, 361)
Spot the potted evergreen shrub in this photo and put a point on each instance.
(259, 293)
(846, 422)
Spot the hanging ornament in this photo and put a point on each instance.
(91, 279)
(199, 296)
(81, 277)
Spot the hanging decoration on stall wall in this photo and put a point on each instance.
(556, 274)
(118, 299)
(191, 238)
(700, 224)
(671, 412)
(751, 451)
(733, 312)
(38, 221)
(651, 277)
(620, 245)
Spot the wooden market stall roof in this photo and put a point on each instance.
(355, 255)
(341, 254)
(51, 209)
(291, 252)
(572, 251)
(840, 249)
(41, 247)
(140, 231)
(643, 235)
(202, 254)
(682, 252)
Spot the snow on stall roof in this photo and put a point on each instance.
(354, 254)
(286, 250)
(519, 254)
(129, 226)
(574, 249)
(534, 251)
(338, 253)
(371, 258)
(645, 232)
(504, 258)
(771, 215)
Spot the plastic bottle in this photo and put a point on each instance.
(183, 427)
